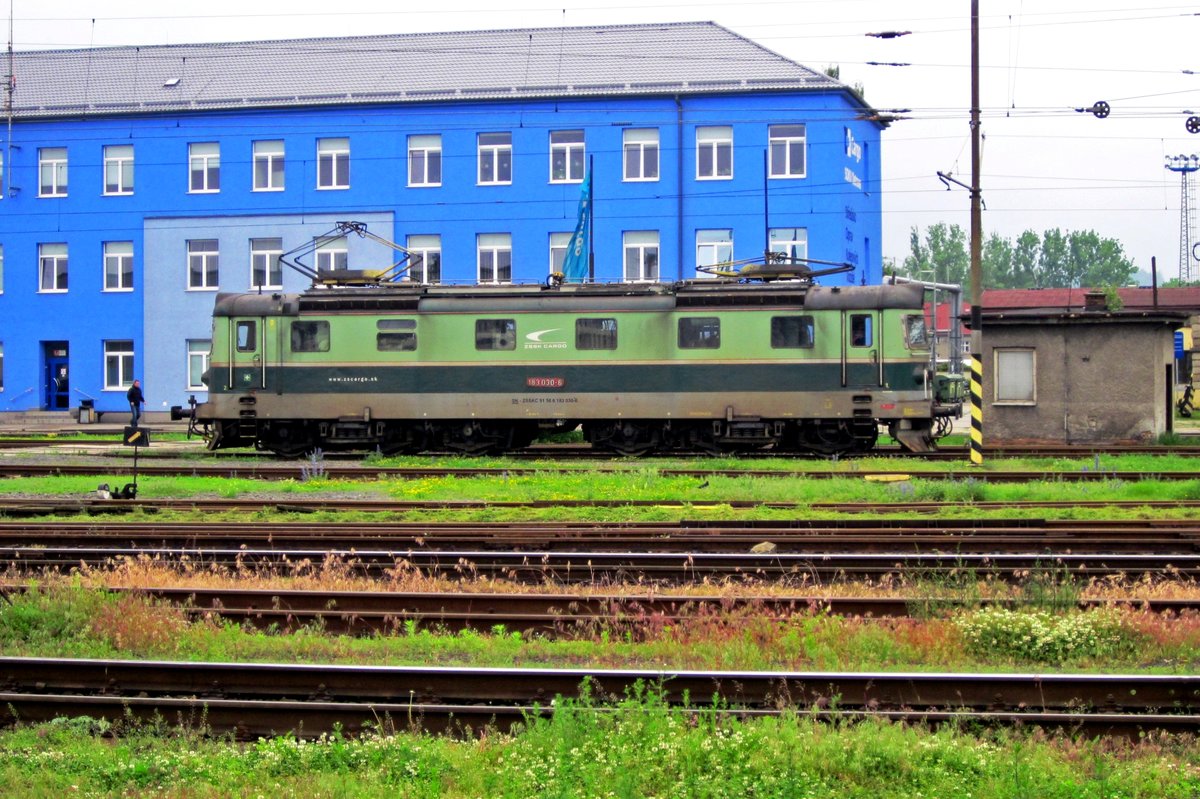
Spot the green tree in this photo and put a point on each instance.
(1052, 259)
(1026, 254)
(997, 259)
(1099, 262)
(1053, 269)
(942, 256)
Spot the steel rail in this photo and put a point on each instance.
(273, 471)
(668, 568)
(307, 699)
(1160, 537)
(585, 451)
(15, 507)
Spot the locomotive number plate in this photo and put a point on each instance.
(545, 382)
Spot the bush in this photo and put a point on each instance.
(1043, 637)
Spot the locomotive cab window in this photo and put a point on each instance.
(700, 333)
(247, 337)
(396, 335)
(310, 336)
(495, 334)
(862, 333)
(916, 334)
(595, 334)
(791, 332)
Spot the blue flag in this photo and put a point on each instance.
(575, 266)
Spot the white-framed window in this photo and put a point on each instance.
(790, 242)
(787, 149)
(266, 271)
(118, 365)
(268, 165)
(495, 257)
(118, 266)
(713, 247)
(558, 250)
(333, 163)
(1014, 376)
(118, 169)
(425, 160)
(714, 152)
(641, 255)
(204, 167)
(567, 156)
(52, 268)
(198, 352)
(426, 253)
(204, 264)
(495, 158)
(640, 146)
(52, 172)
(332, 253)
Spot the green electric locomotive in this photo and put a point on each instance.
(711, 365)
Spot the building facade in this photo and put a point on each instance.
(140, 182)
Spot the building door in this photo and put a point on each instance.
(57, 395)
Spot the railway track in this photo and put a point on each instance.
(584, 451)
(374, 612)
(22, 507)
(902, 538)
(608, 568)
(296, 470)
(252, 700)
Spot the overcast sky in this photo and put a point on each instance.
(1045, 164)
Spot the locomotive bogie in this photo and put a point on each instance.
(709, 366)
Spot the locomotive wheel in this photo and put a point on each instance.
(402, 440)
(827, 437)
(631, 439)
(287, 440)
(474, 438)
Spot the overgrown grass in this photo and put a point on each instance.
(75, 621)
(708, 497)
(642, 748)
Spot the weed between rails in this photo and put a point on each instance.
(76, 616)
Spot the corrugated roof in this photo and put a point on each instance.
(660, 59)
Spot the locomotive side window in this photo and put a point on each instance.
(247, 340)
(861, 332)
(495, 334)
(700, 333)
(916, 335)
(396, 335)
(791, 332)
(310, 337)
(595, 334)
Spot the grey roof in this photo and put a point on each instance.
(607, 60)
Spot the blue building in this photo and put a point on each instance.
(137, 182)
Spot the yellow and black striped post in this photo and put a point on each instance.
(976, 409)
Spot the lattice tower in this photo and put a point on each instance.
(1185, 166)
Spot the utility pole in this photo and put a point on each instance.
(976, 253)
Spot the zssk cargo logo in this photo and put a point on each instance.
(533, 341)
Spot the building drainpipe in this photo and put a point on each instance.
(679, 187)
